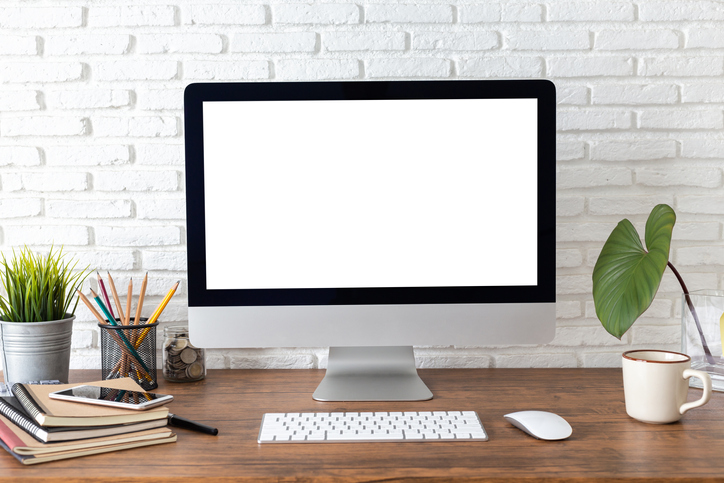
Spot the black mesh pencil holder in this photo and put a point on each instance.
(130, 351)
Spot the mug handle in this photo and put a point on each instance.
(706, 384)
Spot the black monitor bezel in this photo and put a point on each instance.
(196, 94)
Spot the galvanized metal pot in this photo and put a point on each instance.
(36, 351)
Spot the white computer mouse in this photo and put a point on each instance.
(541, 424)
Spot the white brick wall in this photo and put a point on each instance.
(91, 131)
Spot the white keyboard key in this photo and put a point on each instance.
(467, 426)
(385, 437)
(337, 437)
(413, 435)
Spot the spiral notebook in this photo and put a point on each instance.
(52, 412)
(12, 410)
(28, 451)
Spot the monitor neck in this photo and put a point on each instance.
(372, 374)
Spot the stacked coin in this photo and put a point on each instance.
(181, 360)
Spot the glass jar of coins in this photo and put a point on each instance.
(182, 362)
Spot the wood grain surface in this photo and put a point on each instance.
(606, 444)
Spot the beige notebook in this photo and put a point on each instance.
(52, 412)
(29, 451)
(35, 459)
(24, 444)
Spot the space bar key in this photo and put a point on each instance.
(363, 437)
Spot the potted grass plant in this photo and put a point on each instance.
(36, 317)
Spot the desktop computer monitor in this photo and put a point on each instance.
(370, 217)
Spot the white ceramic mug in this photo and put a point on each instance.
(656, 383)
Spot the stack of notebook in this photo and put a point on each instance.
(36, 429)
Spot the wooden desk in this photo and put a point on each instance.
(606, 443)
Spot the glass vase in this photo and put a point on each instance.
(701, 336)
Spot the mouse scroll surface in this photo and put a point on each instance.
(541, 424)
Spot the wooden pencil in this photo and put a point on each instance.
(90, 307)
(162, 305)
(115, 298)
(140, 300)
(157, 313)
(129, 298)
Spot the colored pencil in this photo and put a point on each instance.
(105, 295)
(115, 298)
(140, 300)
(163, 304)
(157, 313)
(109, 318)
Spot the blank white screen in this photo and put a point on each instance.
(379, 193)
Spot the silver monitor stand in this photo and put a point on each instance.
(371, 374)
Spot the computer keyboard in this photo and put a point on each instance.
(350, 427)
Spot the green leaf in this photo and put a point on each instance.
(38, 288)
(627, 276)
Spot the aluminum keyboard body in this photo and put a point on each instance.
(350, 427)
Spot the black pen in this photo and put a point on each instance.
(179, 422)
